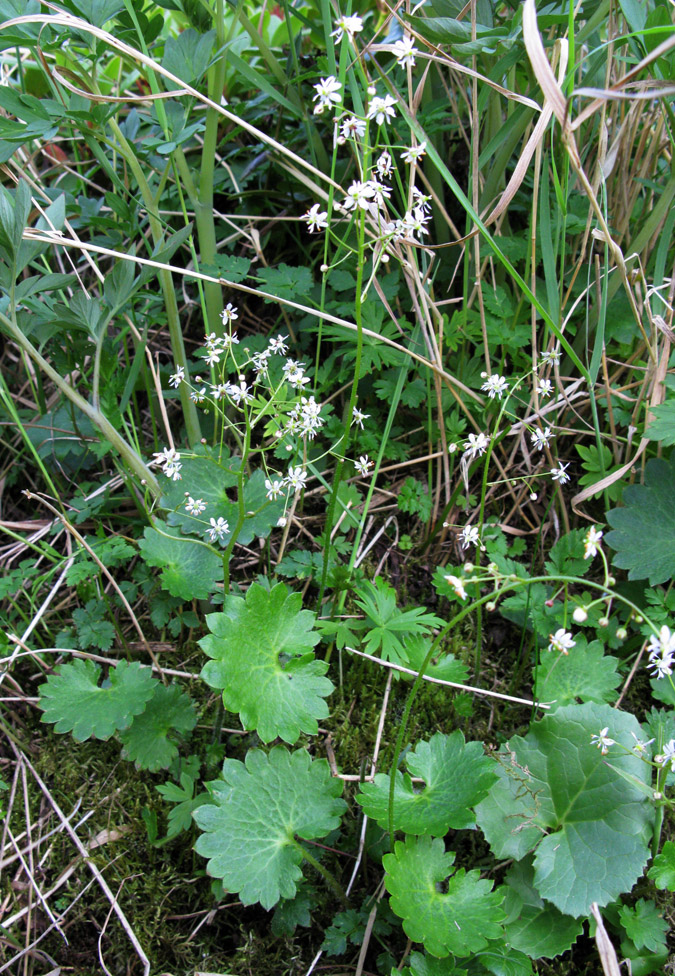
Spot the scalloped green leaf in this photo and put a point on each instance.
(446, 667)
(557, 795)
(460, 920)
(662, 871)
(662, 425)
(146, 741)
(263, 661)
(643, 530)
(190, 570)
(457, 775)
(534, 926)
(74, 701)
(585, 673)
(260, 812)
(645, 926)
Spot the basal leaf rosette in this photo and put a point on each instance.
(263, 661)
(558, 796)
(74, 701)
(460, 919)
(457, 775)
(261, 810)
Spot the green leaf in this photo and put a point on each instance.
(504, 960)
(459, 920)
(457, 775)
(228, 266)
(643, 531)
(286, 282)
(180, 817)
(146, 740)
(446, 667)
(190, 570)
(534, 926)
(293, 912)
(662, 871)
(188, 55)
(92, 630)
(428, 966)
(585, 673)
(644, 926)
(74, 701)
(662, 427)
(557, 794)
(259, 810)
(386, 625)
(262, 658)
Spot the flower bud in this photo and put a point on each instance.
(603, 622)
(621, 633)
(549, 603)
(468, 567)
(611, 581)
(580, 615)
(491, 606)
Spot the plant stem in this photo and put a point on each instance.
(328, 877)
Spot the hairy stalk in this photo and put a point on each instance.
(327, 875)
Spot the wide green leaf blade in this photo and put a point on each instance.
(457, 776)
(586, 673)
(460, 920)
(260, 809)
(74, 701)
(146, 740)
(534, 926)
(190, 570)
(263, 660)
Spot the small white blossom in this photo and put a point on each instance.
(198, 396)
(195, 506)
(640, 747)
(404, 51)
(551, 358)
(363, 465)
(219, 529)
(560, 473)
(327, 94)
(457, 585)
(592, 542)
(667, 756)
(241, 393)
(353, 128)
(602, 740)
(469, 536)
(382, 109)
(296, 478)
(359, 417)
(220, 390)
(415, 153)
(561, 641)
(230, 340)
(177, 378)
(273, 488)
(212, 358)
(317, 219)
(422, 200)
(540, 438)
(544, 388)
(476, 445)
(360, 196)
(213, 342)
(347, 25)
(495, 386)
(229, 313)
(278, 345)
(295, 374)
(384, 165)
(661, 650)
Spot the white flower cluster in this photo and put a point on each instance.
(305, 418)
(170, 463)
(662, 652)
(295, 479)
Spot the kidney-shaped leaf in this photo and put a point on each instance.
(556, 793)
(261, 809)
(643, 530)
(457, 776)
(75, 702)
(459, 920)
(262, 659)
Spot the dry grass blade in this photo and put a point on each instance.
(606, 951)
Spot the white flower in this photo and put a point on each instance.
(281, 522)
(230, 340)
(540, 438)
(305, 418)
(640, 747)
(404, 51)
(591, 542)
(495, 386)
(219, 528)
(273, 488)
(240, 393)
(360, 196)
(353, 128)
(195, 506)
(414, 153)
(476, 446)
(422, 200)
(213, 357)
(220, 390)
(347, 25)
(382, 109)
(198, 396)
(469, 536)
(560, 473)
(177, 378)
(213, 342)
(551, 358)
(229, 313)
(561, 641)
(167, 456)
(661, 650)
(296, 478)
(363, 465)
(667, 756)
(602, 740)
(414, 222)
(327, 94)
(457, 584)
(173, 470)
(278, 345)
(359, 417)
(544, 388)
(317, 219)
(295, 374)
(383, 165)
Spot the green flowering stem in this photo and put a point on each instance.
(133, 460)
(328, 877)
